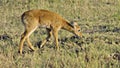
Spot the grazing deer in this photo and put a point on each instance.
(51, 21)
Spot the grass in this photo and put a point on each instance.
(99, 21)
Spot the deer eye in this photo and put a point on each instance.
(78, 30)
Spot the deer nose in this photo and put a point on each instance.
(78, 37)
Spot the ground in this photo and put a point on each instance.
(98, 48)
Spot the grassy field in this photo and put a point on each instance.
(100, 25)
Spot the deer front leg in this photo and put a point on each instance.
(49, 32)
(55, 34)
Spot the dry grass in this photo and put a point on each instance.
(99, 21)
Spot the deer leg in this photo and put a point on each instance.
(25, 36)
(55, 34)
(30, 44)
(49, 32)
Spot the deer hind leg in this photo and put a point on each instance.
(25, 36)
(49, 32)
(30, 44)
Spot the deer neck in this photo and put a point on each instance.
(67, 26)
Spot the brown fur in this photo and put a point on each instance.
(43, 18)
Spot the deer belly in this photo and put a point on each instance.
(45, 26)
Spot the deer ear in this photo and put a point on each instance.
(74, 23)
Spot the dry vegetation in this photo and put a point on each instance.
(99, 48)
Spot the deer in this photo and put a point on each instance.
(51, 21)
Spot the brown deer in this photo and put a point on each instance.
(52, 21)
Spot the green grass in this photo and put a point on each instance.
(100, 25)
